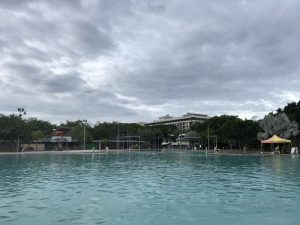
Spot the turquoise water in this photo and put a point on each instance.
(149, 188)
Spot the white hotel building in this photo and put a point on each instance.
(184, 122)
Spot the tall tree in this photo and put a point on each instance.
(39, 128)
(13, 127)
(278, 124)
(230, 130)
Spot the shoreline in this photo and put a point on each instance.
(103, 151)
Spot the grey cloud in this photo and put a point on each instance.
(196, 80)
(63, 83)
(43, 80)
(29, 52)
(162, 56)
(2, 44)
(25, 70)
(88, 39)
(157, 8)
(257, 50)
(14, 3)
(65, 32)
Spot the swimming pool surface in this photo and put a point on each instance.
(149, 188)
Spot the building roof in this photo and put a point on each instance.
(169, 118)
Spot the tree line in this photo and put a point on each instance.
(13, 127)
(230, 131)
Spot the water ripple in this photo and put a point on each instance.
(149, 188)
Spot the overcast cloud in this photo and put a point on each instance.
(135, 60)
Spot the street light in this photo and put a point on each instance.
(84, 121)
(21, 112)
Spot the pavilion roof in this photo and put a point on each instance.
(275, 139)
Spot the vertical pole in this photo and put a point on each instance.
(18, 143)
(153, 141)
(83, 136)
(139, 143)
(272, 147)
(21, 112)
(180, 141)
(127, 138)
(207, 138)
(118, 137)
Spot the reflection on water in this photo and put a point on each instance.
(149, 188)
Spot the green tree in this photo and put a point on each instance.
(230, 131)
(13, 127)
(37, 135)
(39, 128)
(77, 132)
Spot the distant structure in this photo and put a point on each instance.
(183, 123)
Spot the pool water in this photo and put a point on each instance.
(149, 188)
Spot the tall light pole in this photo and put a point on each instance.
(84, 121)
(21, 112)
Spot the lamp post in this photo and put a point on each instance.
(21, 112)
(84, 121)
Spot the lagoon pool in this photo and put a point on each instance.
(152, 188)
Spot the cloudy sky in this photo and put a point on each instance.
(135, 60)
